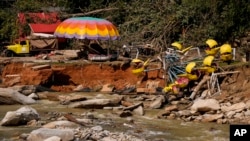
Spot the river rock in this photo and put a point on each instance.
(205, 105)
(53, 138)
(235, 107)
(211, 118)
(248, 104)
(20, 116)
(10, 96)
(139, 111)
(63, 124)
(171, 108)
(107, 88)
(34, 96)
(158, 102)
(44, 133)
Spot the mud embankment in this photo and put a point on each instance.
(65, 77)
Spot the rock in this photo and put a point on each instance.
(175, 102)
(211, 118)
(230, 114)
(248, 104)
(139, 111)
(247, 113)
(62, 124)
(107, 88)
(78, 88)
(163, 114)
(204, 94)
(10, 96)
(184, 113)
(28, 89)
(171, 108)
(97, 128)
(84, 121)
(158, 102)
(238, 106)
(53, 138)
(34, 96)
(129, 89)
(20, 116)
(126, 103)
(205, 105)
(44, 133)
(239, 115)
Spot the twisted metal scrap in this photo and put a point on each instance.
(173, 66)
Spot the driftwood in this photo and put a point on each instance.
(72, 119)
(197, 88)
(10, 96)
(133, 106)
(95, 103)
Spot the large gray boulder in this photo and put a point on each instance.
(20, 116)
(42, 134)
(205, 105)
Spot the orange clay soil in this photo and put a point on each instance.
(66, 77)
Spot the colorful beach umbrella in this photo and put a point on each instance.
(87, 28)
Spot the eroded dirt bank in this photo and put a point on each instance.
(66, 77)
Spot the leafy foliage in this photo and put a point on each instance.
(159, 22)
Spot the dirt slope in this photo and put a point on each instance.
(65, 77)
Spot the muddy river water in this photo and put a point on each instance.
(143, 126)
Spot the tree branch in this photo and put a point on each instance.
(90, 12)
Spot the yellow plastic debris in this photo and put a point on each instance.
(212, 50)
(190, 67)
(208, 60)
(226, 52)
(211, 43)
(177, 45)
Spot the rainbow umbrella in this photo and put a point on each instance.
(87, 28)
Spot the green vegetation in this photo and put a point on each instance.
(159, 22)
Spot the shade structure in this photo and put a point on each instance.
(87, 28)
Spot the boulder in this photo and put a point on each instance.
(42, 134)
(20, 116)
(205, 105)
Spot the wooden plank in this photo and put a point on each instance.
(41, 67)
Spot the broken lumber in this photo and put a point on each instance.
(197, 88)
(41, 67)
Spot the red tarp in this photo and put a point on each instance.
(43, 28)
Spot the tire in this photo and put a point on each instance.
(9, 53)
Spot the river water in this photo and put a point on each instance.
(143, 126)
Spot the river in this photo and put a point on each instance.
(145, 126)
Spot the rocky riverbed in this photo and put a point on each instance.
(27, 83)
